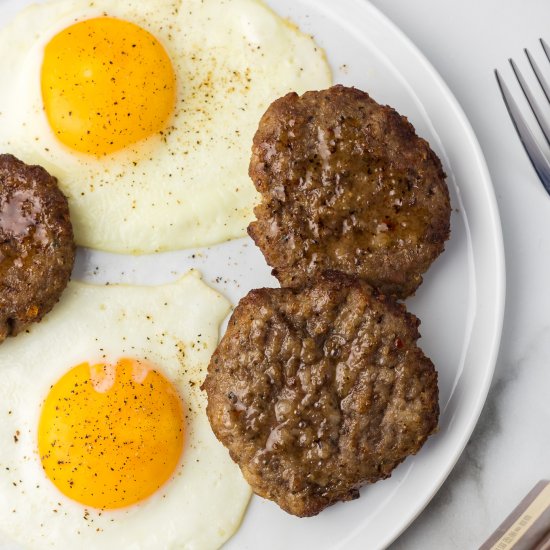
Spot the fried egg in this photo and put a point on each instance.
(104, 439)
(145, 111)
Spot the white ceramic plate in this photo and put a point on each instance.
(461, 302)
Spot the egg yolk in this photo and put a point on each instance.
(110, 435)
(106, 84)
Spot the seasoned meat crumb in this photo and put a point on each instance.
(318, 391)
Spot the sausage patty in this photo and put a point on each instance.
(316, 392)
(36, 244)
(347, 185)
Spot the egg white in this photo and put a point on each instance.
(176, 327)
(188, 187)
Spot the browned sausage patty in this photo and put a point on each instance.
(316, 392)
(347, 185)
(36, 244)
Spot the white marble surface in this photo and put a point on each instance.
(510, 448)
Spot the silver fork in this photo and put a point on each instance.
(534, 152)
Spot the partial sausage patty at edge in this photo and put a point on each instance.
(347, 185)
(36, 244)
(316, 392)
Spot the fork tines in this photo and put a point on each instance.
(536, 155)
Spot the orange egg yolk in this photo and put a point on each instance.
(110, 435)
(106, 84)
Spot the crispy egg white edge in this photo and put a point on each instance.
(32, 511)
(216, 203)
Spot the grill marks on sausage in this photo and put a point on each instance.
(316, 392)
